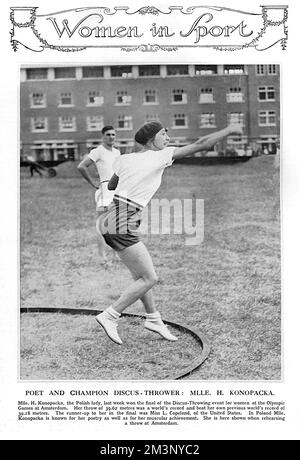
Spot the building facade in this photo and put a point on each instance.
(63, 108)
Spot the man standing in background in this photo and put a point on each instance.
(103, 158)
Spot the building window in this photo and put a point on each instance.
(206, 69)
(234, 69)
(124, 122)
(206, 96)
(179, 96)
(260, 69)
(67, 123)
(66, 99)
(266, 93)
(123, 98)
(37, 74)
(272, 70)
(207, 120)
(152, 117)
(149, 71)
(173, 70)
(150, 96)
(180, 120)
(92, 72)
(235, 118)
(39, 124)
(268, 144)
(124, 71)
(235, 95)
(94, 123)
(49, 151)
(37, 100)
(237, 142)
(94, 99)
(64, 72)
(267, 118)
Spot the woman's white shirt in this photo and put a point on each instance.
(140, 173)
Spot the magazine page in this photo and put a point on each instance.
(149, 236)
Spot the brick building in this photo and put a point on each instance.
(63, 108)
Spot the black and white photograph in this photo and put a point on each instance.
(97, 144)
(149, 236)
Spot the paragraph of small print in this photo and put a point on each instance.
(151, 412)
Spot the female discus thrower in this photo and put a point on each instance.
(137, 176)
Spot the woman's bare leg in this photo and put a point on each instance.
(138, 260)
(140, 265)
(147, 299)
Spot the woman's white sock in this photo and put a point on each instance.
(112, 312)
(154, 317)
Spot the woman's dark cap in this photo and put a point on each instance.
(147, 132)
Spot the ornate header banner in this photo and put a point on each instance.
(149, 28)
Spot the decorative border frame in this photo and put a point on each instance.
(151, 10)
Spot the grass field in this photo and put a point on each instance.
(62, 346)
(228, 287)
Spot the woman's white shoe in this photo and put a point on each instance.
(160, 329)
(109, 325)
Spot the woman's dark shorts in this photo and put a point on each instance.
(120, 224)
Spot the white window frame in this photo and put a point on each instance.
(124, 74)
(155, 102)
(266, 90)
(126, 119)
(211, 116)
(93, 77)
(150, 75)
(64, 78)
(183, 93)
(260, 69)
(126, 99)
(234, 70)
(180, 116)
(206, 96)
(210, 70)
(177, 74)
(39, 106)
(60, 104)
(94, 122)
(267, 116)
(236, 118)
(99, 99)
(36, 130)
(234, 95)
(271, 68)
(62, 128)
(37, 79)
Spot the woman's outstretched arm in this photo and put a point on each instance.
(206, 142)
